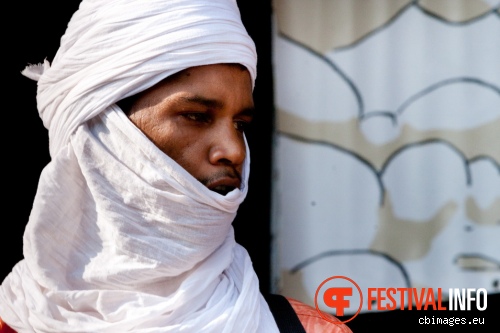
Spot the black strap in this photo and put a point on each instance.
(283, 314)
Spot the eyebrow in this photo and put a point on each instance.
(212, 103)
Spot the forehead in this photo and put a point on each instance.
(229, 82)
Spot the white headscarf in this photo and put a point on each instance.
(114, 49)
(120, 237)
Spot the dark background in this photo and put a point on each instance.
(34, 34)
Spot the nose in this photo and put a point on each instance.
(228, 146)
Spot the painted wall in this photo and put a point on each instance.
(387, 144)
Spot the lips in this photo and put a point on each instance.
(224, 185)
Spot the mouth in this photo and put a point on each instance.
(223, 189)
(225, 184)
(477, 262)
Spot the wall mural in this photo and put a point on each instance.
(387, 144)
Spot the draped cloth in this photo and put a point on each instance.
(121, 238)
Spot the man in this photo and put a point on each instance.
(146, 105)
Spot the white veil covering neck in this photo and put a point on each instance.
(120, 237)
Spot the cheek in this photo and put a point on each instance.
(188, 150)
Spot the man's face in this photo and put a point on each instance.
(197, 117)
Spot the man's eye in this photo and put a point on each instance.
(198, 117)
(241, 125)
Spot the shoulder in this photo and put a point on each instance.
(4, 328)
(313, 322)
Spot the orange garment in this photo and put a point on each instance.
(313, 322)
(308, 316)
(4, 328)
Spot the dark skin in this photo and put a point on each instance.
(198, 117)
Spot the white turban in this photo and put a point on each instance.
(120, 237)
(114, 49)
